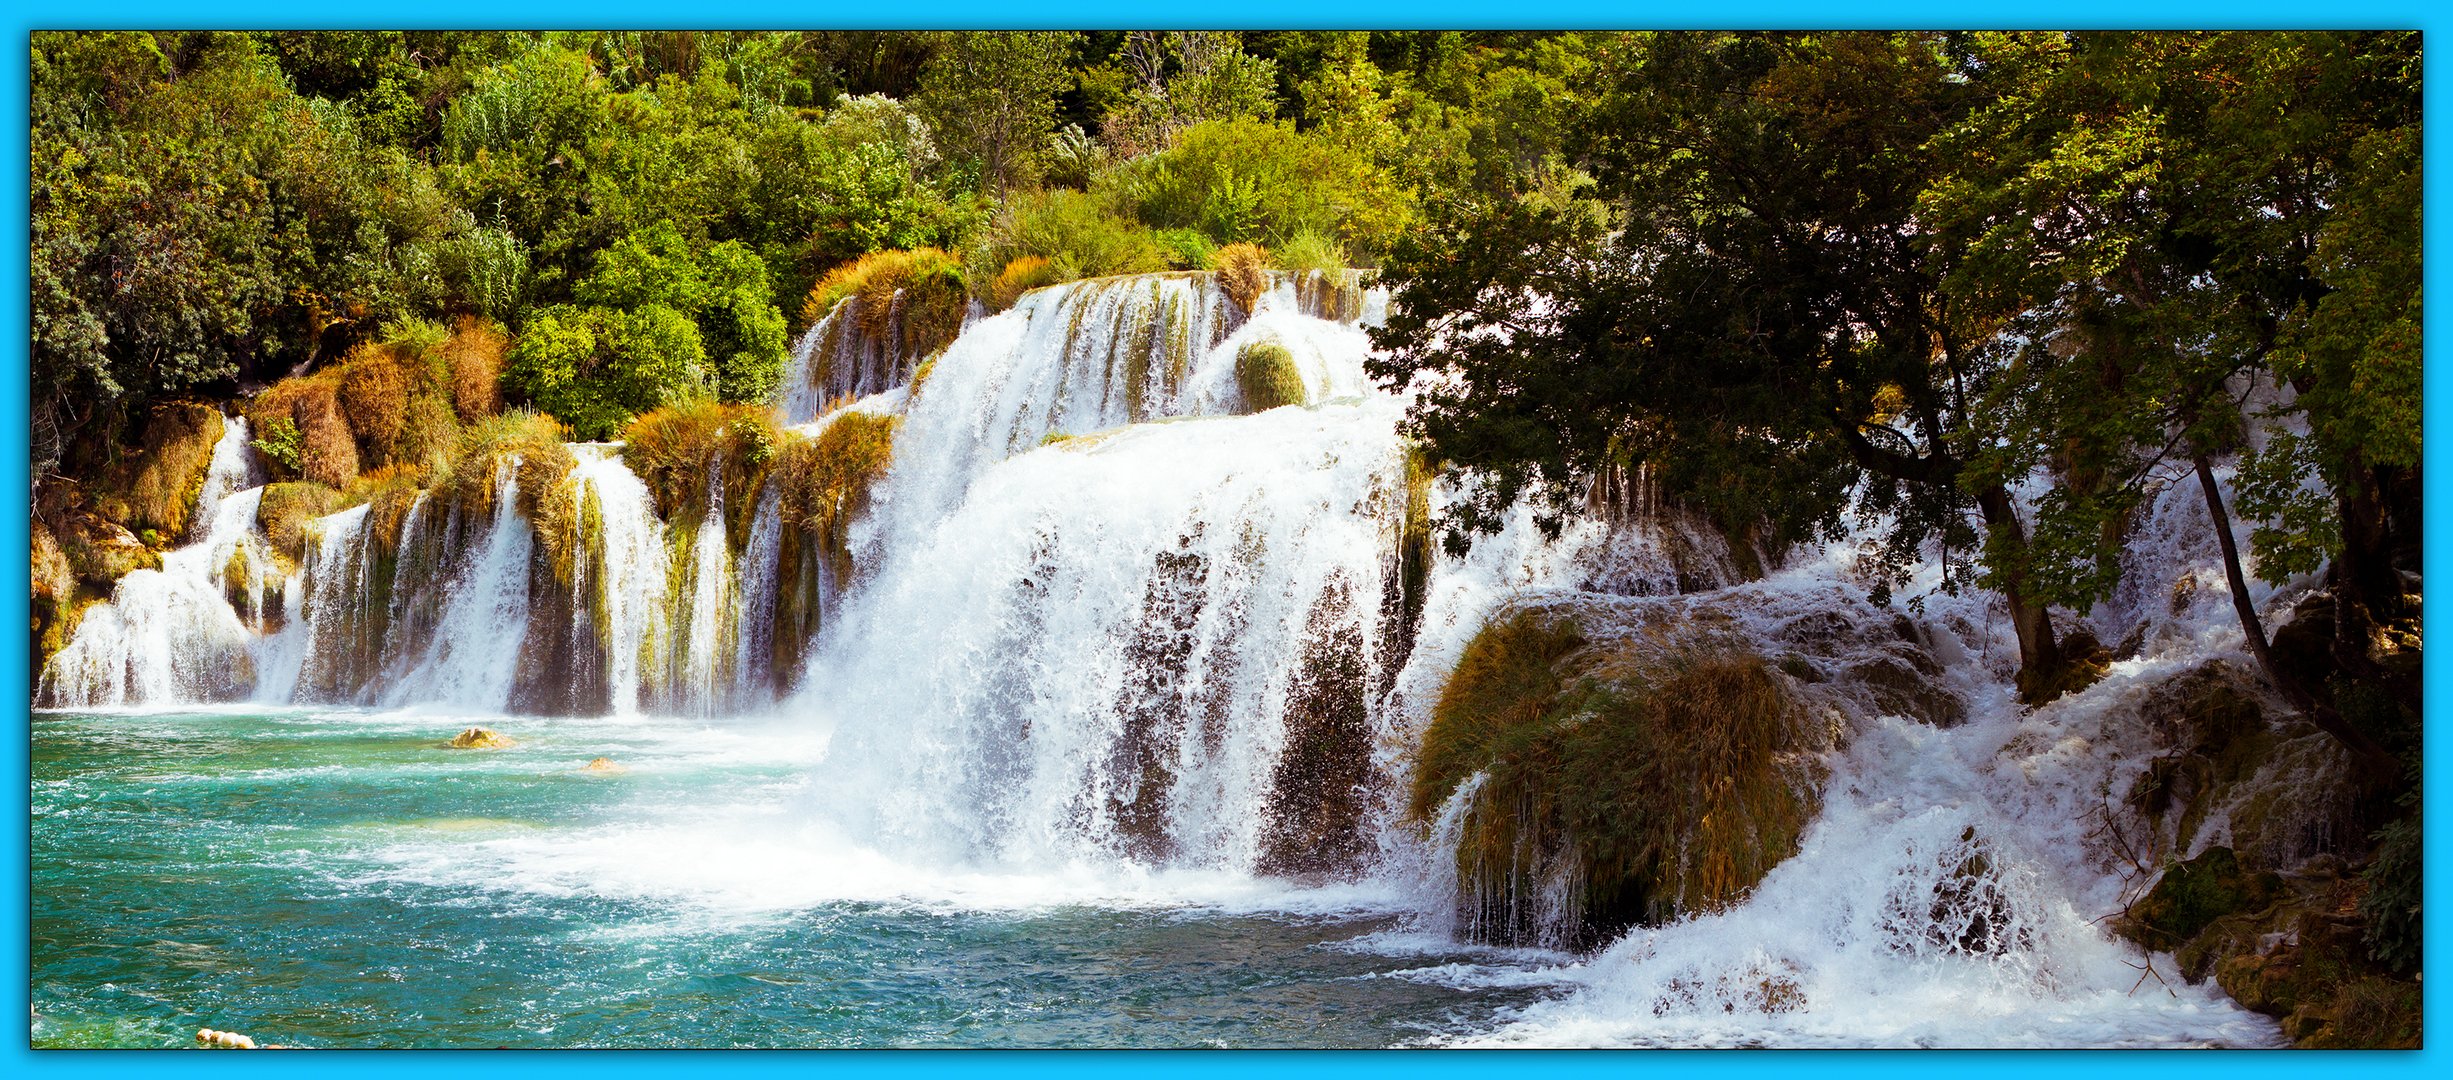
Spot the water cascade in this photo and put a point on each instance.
(1092, 612)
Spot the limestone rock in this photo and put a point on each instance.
(478, 738)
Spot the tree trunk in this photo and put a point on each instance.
(2040, 660)
(2370, 757)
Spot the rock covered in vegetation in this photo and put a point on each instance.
(1266, 374)
(153, 489)
(1609, 782)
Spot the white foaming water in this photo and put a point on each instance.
(172, 635)
(631, 560)
(1155, 664)
(473, 655)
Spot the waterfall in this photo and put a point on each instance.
(173, 634)
(626, 569)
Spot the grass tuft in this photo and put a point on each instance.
(1243, 271)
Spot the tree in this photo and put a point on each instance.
(992, 98)
(1763, 322)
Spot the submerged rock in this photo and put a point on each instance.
(478, 738)
(604, 766)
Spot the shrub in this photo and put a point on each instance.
(1249, 179)
(1188, 249)
(595, 368)
(1093, 235)
(672, 449)
(1243, 271)
(1310, 250)
(473, 360)
(934, 299)
(1267, 375)
(1021, 276)
(277, 440)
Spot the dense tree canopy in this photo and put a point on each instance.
(1988, 290)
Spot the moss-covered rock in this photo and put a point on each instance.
(1658, 777)
(286, 509)
(1266, 374)
(678, 451)
(153, 489)
(2193, 894)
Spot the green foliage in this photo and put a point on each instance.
(2392, 906)
(1084, 234)
(1256, 180)
(277, 440)
(991, 97)
(1311, 251)
(595, 368)
(723, 288)
(1188, 249)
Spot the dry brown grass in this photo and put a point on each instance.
(933, 303)
(673, 450)
(328, 449)
(1021, 276)
(473, 358)
(1243, 271)
(373, 394)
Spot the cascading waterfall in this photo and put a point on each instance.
(174, 635)
(1095, 618)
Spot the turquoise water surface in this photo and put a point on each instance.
(341, 878)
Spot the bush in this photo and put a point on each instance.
(1243, 271)
(1091, 235)
(934, 301)
(473, 360)
(1311, 250)
(277, 439)
(1259, 180)
(1021, 276)
(1266, 374)
(595, 368)
(1188, 249)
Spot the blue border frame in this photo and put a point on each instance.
(15, 987)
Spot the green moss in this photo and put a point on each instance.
(2193, 894)
(1265, 371)
(1711, 802)
(285, 510)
